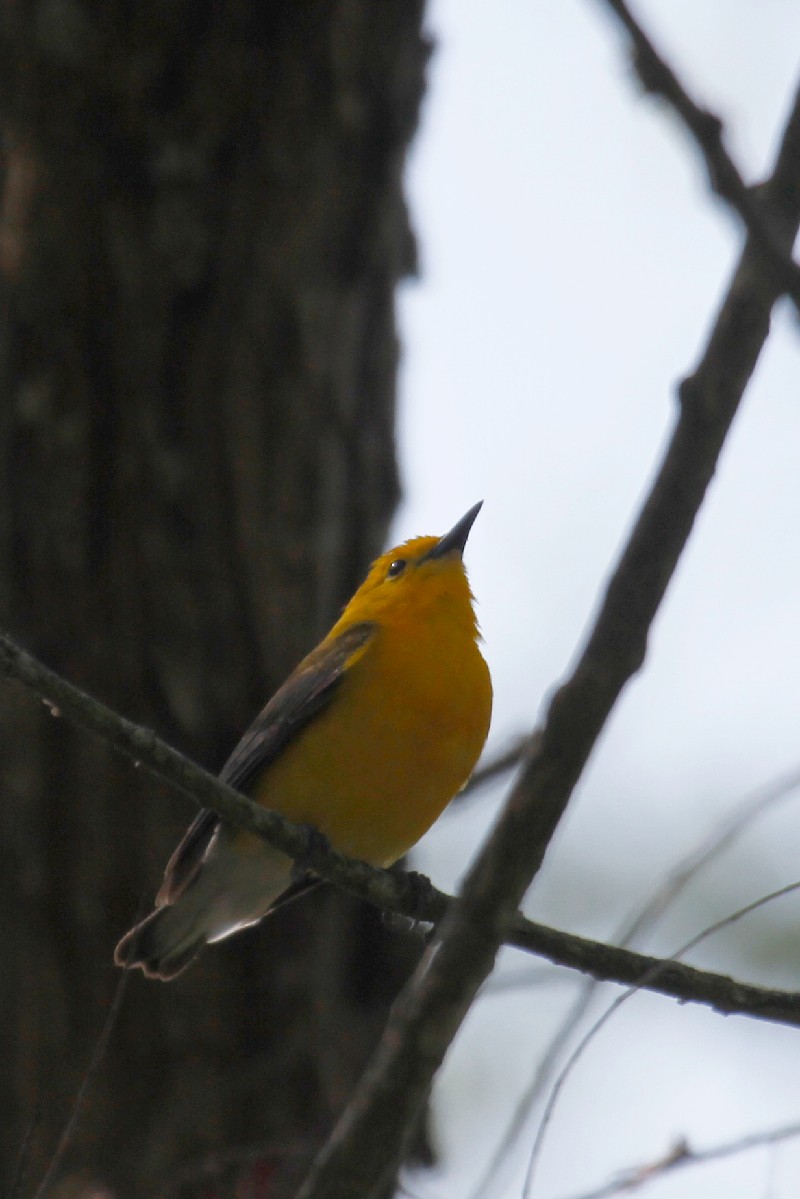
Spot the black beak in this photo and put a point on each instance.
(456, 539)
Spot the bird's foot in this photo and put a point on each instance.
(419, 891)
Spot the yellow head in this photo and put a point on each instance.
(421, 579)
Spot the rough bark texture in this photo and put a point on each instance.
(201, 230)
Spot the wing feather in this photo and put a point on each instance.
(306, 693)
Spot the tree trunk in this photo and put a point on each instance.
(202, 230)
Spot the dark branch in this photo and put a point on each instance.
(388, 889)
(610, 963)
(370, 1139)
(77, 1104)
(657, 77)
(587, 1038)
(710, 846)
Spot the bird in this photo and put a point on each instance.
(367, 741)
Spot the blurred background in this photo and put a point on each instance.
(572, 262)
(202, 237)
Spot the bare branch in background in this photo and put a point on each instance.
(682, 1155)
(19, 1175)
(490, 769)
(586, 1040)
(725, 180)
(709, 848)
(369, 1141)
(719, 839)
(657, 77)
(76, 1105)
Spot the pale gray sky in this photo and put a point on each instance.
(572, 262)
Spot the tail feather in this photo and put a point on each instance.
(230, 891)
(159, 946)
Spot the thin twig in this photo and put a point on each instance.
(657, 77)
(368, 1143)
(710, 846)
(584, 1042)
(544, 1069)
(24, 1156)
(77, 1103)
(681, 1155)
(493, 768)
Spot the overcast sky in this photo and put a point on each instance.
(572, 262)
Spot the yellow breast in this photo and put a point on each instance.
(399, 739)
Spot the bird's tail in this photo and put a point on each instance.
(162, 945)
(230, 891)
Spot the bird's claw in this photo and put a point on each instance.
(419, 894)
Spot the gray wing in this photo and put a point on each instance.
(306, 693)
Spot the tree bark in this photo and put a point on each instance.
(202, 227)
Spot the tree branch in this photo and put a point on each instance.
(709, 847)
(657, 77)
(681, 1155)
(602, 1021)
(610, 963)
(392, 890)
(367, 1145)
(489, 770)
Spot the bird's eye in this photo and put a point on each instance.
(396, 568)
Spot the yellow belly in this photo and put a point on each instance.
(376, 768)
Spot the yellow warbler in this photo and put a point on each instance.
(368, 740)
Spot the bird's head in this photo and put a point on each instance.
(417, 579)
